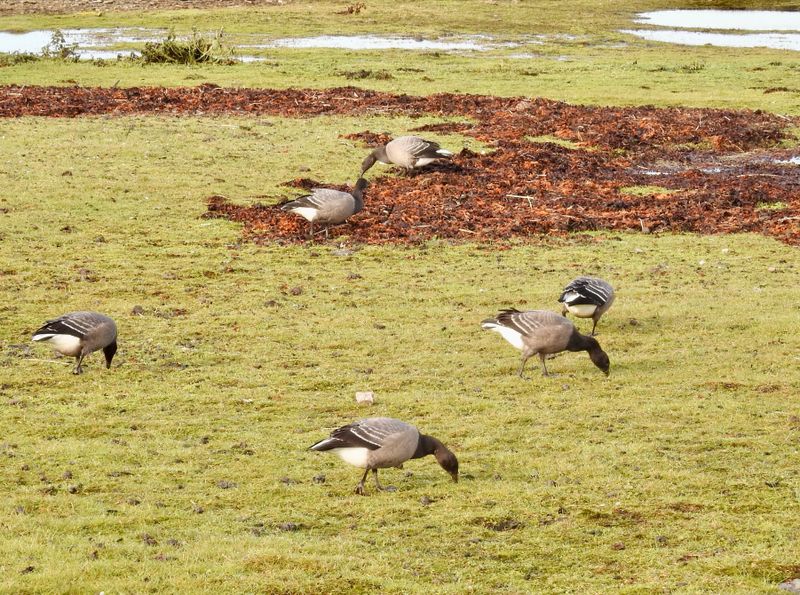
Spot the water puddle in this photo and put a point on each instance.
(474, 43)
(98, 43)
(88, 41)
(742, 20)
(776, 41)
(769, 23)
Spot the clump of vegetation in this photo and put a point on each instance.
(646, 190)
(195, 50)
(353, 8)
(17, 58)
(378, 75)
(772, 206)
(59, 49)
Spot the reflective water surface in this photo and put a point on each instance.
(90, 42)
(743, 20)
(769, 23)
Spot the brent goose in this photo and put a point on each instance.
(587, 297)
(382, 442)
(78, 334)
(407, 152)
(327, 206)
(544, 332)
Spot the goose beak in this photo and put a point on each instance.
(455, 477)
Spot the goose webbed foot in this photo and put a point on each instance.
(378, 484)
(360, 487)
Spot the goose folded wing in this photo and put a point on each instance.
(585, 291)
(523, 322)
(419, 147)
(75, 325)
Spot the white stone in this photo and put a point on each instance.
(365, 397)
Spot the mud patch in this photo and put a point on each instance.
(719, 166)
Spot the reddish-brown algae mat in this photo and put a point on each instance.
(723, 169)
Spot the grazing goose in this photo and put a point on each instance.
(544, 332)
(407, 152)
(587, 297)
(327, 206)
(78, 334)
(382, 442)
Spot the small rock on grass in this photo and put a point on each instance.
(365, 397)
(792, 586)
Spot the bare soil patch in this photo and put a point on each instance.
(69, 6)
(722, 166)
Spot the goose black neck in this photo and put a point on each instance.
(427, 445)
(579, 342)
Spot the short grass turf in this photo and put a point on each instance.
(571, 50)
(185, 467)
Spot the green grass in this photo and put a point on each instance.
(678, 472)
(581, 58)
(646, 190)
(178, 469)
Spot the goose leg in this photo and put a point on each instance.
(522, 366)
(594, 326)
(78, 369)
(360, 486)
(326, 232)
(378, 484)
(564, 310)
(544, 367)
(310, 230)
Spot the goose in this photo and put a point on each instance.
(328, 206)
(544, 332)
(78, 334)
(587, 297)
(382, 442)
(408, 152)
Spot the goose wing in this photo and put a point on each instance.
(318, 199)
(419, 147)
(586, 290)
(369, 433)
(76, 324)
(526, 323)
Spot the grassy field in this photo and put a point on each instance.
(184, 468)
(580, 56)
